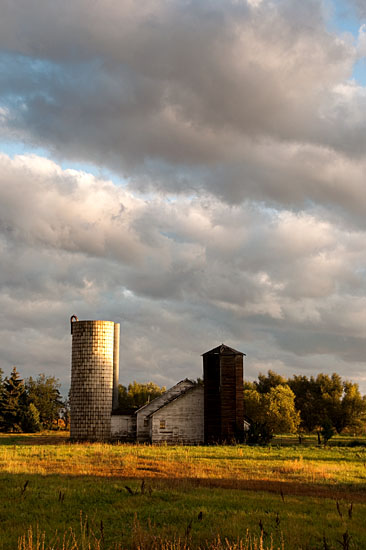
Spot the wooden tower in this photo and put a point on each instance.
(223, 395)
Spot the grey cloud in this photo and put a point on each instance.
(360, 7)
(242, 145)
(277, 284)
(180, 96)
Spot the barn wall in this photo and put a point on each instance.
(143, 423)
(123, 426)
(180, 421)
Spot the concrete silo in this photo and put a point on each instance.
(94, 378)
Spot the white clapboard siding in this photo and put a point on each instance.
(181, 420)
(123, 426)
(142, 415)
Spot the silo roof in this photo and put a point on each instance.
(223, 350)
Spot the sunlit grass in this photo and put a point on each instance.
(290, 493)
(308, 465)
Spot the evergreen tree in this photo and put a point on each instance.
(13, 403)
(30, 419)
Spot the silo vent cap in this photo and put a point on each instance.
(73, 319)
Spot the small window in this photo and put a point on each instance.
(162, 424)
(146, 422)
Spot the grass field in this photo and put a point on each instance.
(129, 496)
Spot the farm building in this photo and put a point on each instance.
(187, 413)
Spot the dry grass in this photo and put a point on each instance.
(327, 472)
(142, 539)
(309, 495)
(225, 463)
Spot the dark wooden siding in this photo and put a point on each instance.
(239, 395)
(212, 402)
(223, 407)
(228, 397)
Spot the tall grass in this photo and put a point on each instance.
(251, 498)
(142, 539)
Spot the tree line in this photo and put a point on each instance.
(273, 404)
(323, 404)
(135, 395)
(31, 405)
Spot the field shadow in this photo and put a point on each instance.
(44, 438)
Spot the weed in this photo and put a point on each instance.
(345, 542)
(142, 540)
(24, 487)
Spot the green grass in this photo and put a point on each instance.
(292, 492)
(169, 509)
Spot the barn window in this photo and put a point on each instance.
(162, 424)
(146, 422)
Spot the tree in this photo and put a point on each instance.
(30, 419)
(270, 413)
(1, 395)
(331, 390)
(282, 416)
(308, 401)
(328, 401)
(271, 380)
(353, 408)
(44, 393)
(65, 413)
(13, 403)
(326, 432)
(138, 394)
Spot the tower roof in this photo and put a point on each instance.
(223, 350)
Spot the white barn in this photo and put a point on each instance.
(174, 417)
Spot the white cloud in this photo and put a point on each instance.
(179, 275)
(241, 137)
(184, 96)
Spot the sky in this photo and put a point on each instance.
(192, 170)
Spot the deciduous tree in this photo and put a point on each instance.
(138, 394)
(44, 393)
(268, 381)
(270, 413)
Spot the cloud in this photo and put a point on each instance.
(178, 274)
(239, 136)
(360, 7)
(239, 99)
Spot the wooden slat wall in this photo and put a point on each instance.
(228, 397)
(223, 407)
(143, 432)
(183, 420)
(239, 396)
(212, 401)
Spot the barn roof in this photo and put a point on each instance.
(151, 403)
(223, 350)
(174, 398)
